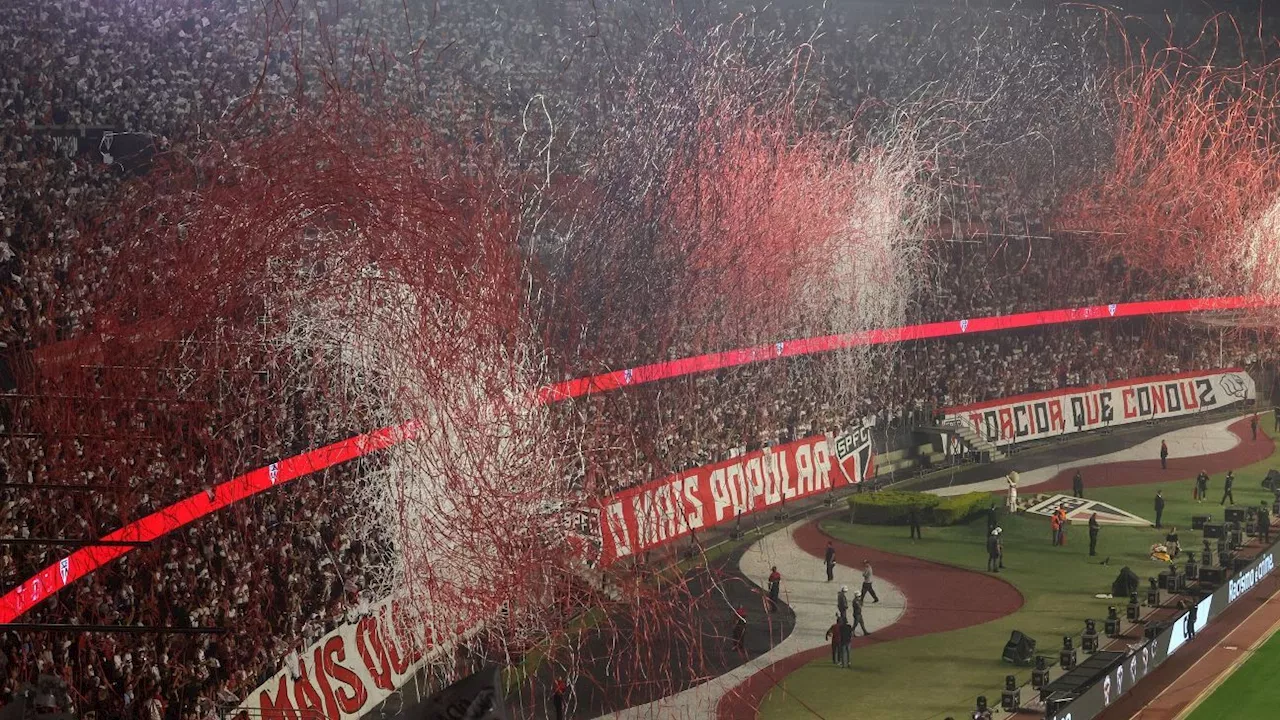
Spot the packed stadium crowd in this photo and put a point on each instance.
(279, 571)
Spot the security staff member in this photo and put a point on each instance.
(1226, 489)
(1093, 534)
(1077, 485)
(857, 617)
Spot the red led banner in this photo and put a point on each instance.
(80, 563)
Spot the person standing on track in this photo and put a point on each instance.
(1093, 534)
(829, 559)
(846, 642)
(1226, 489)
(833, 634)
(866, 583)
(1159, 506)
(842, 603)
(1253, 426)
(857, 617)
(913, 517)
(1077, 485)
(993, 550)
(557, 698)
(740, 630)
(1164, 455)
(775, 582)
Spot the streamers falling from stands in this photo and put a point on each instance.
(349, 252)
(1190, 194)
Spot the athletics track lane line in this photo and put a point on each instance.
(924, 584)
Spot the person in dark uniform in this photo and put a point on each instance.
(1202, 487)
(1264, 523)
(1159, 507)
(1077, 485)
(833, 634)
(775, 582)
(1253, 426)
(1226, 489)
(1191, 620)
(1164, 455)
(857, 616)
(842, 603)
(993, 551)
(740, 630)
(846, 642)
(829, 559)
(1171, 541)
(913, 516)
(991, 518)
(1093, 534)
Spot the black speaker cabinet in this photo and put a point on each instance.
(1213, 531)
(1235, 513)
(1211, 575)
(1198, 521)
(1153, 629)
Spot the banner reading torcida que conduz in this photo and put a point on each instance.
(656, 513)
(1080, 409)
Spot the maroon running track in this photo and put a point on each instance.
(923, 584)
(986, 598)
(1135, 472)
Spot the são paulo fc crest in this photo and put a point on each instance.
(64, 567)
(1079, 510)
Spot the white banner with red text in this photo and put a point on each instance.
(355, 667)
(1073, 410)
(656, 513)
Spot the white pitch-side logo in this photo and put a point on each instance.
(1112, 309)
(964, 325)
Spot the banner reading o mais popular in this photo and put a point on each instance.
(355, 667)
(1072, 410)
(656, 513)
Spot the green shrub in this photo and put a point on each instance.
(893, 507)
(961, 508)
(890, 507)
